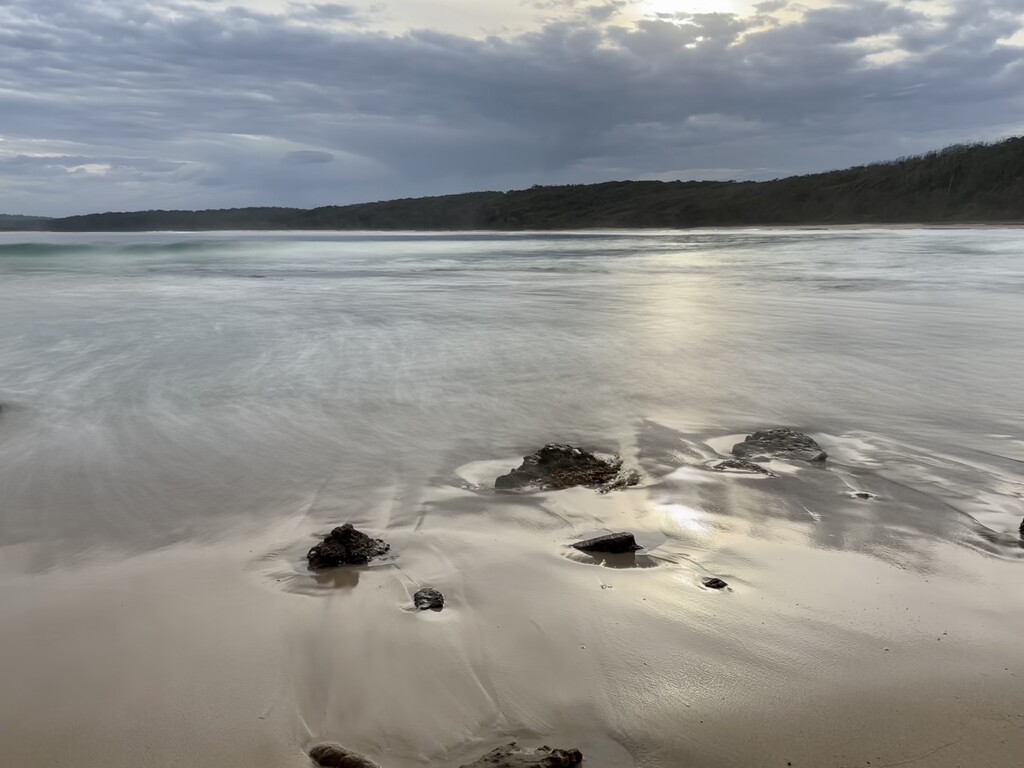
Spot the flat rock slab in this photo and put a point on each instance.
(863, 495)
(428, 599)
(557, 466)
(513, 756)
(742, 465)
(616, 543)
(779, 444)
(336, 756)
(345, 546)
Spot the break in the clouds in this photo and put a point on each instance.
(128, 104)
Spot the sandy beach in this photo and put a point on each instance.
(819, 653)
(163, 479)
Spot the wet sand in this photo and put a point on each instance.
(890, 652)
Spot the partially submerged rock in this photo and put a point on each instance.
(557, 466)
(513, 756)
(779, 444)
(863, 495)
(345, 546)
(336, 756)
(616, 543)
(742, 465)
(714, 583)
(428, 599)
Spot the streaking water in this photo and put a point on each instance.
(184, 414)
(157, 388)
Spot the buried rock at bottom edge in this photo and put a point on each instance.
(513, 756)
(336, 756)
(345, 546)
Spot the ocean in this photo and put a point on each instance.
(182, 413)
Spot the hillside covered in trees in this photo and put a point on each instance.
(960, 184)
(9, 221)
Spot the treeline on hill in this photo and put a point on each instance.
(14, 222)
(963, 183)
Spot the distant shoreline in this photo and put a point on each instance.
(980, 185)
(567, 230)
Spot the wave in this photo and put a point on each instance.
(37, 249)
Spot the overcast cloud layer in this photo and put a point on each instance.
(128, 104)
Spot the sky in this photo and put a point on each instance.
(142, 104)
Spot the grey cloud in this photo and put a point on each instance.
(308, 157)
(605, 11)
(771, 6)
(333, 11)
(215, 98)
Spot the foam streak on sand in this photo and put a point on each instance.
(176, 437)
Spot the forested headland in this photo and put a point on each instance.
(968, 183)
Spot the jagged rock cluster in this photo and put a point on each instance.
(345, 546)
(557, 466)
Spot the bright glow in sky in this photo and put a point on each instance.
(479, 19)
(690, 6)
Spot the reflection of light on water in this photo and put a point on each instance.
(683, 516)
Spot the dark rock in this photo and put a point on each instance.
(742, 465)
(428, 599)
(513, 756)
(615, 543)
(345, 546)
(779, 443)
(336, 756)
(863, 495)
(1022, 527)
(555, 466)
(714, 583)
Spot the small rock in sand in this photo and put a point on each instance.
(555, 467)
(513, 756)
(742, 465)
(336, 756)
(714, 583)
(428, 599)
(345, 546)
(615, 543)
(779, 443)
(863, 495)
